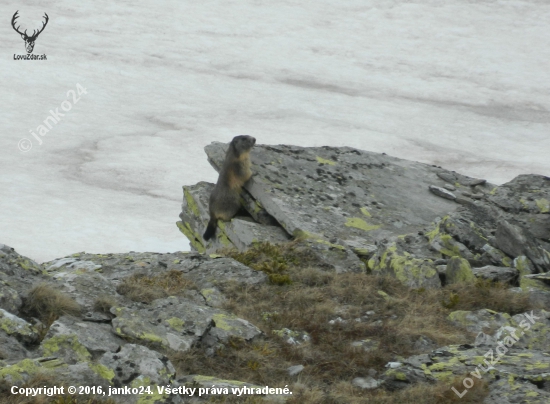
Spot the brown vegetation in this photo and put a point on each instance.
(145, 289)
(48, 304)
(310, 299)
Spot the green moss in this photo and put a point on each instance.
(325, 161)
(360, 224)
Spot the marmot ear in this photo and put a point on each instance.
(235, 149)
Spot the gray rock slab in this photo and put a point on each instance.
(208, 272)
(413, 272)
(241, 232)
(85, 285)
(176, 324)
(514, 367)
(442, 192)
(332, 255)
(17, 327)
(204, 270)
(526, 193)
(341, 193)
(172, 324)
(11, 349)
(18, 272)
(497, 274)
(480, 321)
(10, 300)
(458, 270)
(515, 241)
(135, 362)
(97, 339)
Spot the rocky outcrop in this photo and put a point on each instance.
(509, 352)
(364, 211)
(126, 343)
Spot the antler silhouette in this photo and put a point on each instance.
(29, 40)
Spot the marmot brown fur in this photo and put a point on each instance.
(225, 198)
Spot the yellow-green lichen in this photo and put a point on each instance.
(325, 161)
(154, 397)
(365, 212)
(102, 371)
(360, 224)
(459, 270)
(147, 336)
(477, 231)
(51, 346)
(191, 204)
(222, 321)
(13, 327)
(543, 205)
(176, 323)
(17, 372)
(299, 234)
(404, 267)
(193, 237)
(384, 295)
(506, 261)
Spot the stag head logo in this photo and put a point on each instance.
(29, 39)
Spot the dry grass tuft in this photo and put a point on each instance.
(145, 289)
(48, 304)
(485, 294)
(104, 303)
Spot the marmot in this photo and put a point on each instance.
(225, 198)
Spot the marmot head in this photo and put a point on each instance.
(241, 144)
